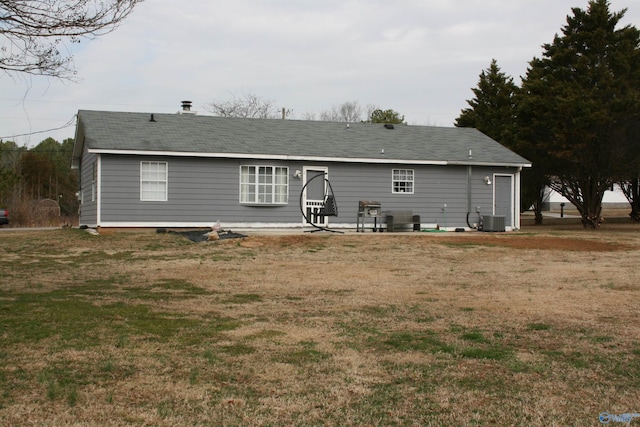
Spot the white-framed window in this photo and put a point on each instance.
(264, 185)
(94, 179)
(153, 181)
(402, 181)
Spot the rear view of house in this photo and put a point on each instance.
(188, 170)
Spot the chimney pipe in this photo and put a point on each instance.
(186, 105)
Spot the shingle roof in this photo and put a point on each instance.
(103, 131)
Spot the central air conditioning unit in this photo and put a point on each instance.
(493, 223)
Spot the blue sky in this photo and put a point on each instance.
(420, 58)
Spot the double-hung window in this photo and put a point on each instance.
(402, 181)
(153, 181)
(94, 180)
(264, 185)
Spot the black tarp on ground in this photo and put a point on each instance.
(201, 235)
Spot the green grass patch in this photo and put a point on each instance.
(304, 354)
(424, 319)
(315, 249)
(491, 384)
(77, 322)
(266, 334)
(379, 310)
(210, 356)
(416, 341)
(474, 335)
(577, 359)
(602, 339)
(237, 349)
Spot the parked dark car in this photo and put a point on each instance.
(4, 217)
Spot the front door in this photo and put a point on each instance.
(314, 194)
(503, 201)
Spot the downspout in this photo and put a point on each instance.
(517, 201)
(469, 191)
(98, 190)
(469, 173)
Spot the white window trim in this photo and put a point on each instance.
(164, 181)
(412, 181)
(94, 179)
(255, 183)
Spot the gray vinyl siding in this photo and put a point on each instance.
(202, 190)
(434, 187)
(89, 207)
(199, 191)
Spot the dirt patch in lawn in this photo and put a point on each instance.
(517, 241)
(589, 243)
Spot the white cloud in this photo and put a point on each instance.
(418, 57)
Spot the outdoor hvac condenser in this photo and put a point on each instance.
(493, 223)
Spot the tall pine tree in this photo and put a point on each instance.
(492, 111)
(579, 104)
(492, 108)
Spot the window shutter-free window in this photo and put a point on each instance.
(402, 181)
(264, 185)
(153, 181)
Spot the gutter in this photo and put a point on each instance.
(305, 158)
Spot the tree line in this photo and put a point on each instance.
(29, 176)
(576, 115)
(251, 106)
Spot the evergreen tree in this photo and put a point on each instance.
(492, 109)
(386, 116)
(579, 104)
(493, 112)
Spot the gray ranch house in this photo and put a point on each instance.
(188, 170)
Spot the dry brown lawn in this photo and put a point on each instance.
(537, 327)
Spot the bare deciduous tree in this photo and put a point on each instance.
(247, 106)
(348, 112)
(34, 33)
(309, 116)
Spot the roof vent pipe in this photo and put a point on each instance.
(186, 105)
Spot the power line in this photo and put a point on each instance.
(70, 123)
